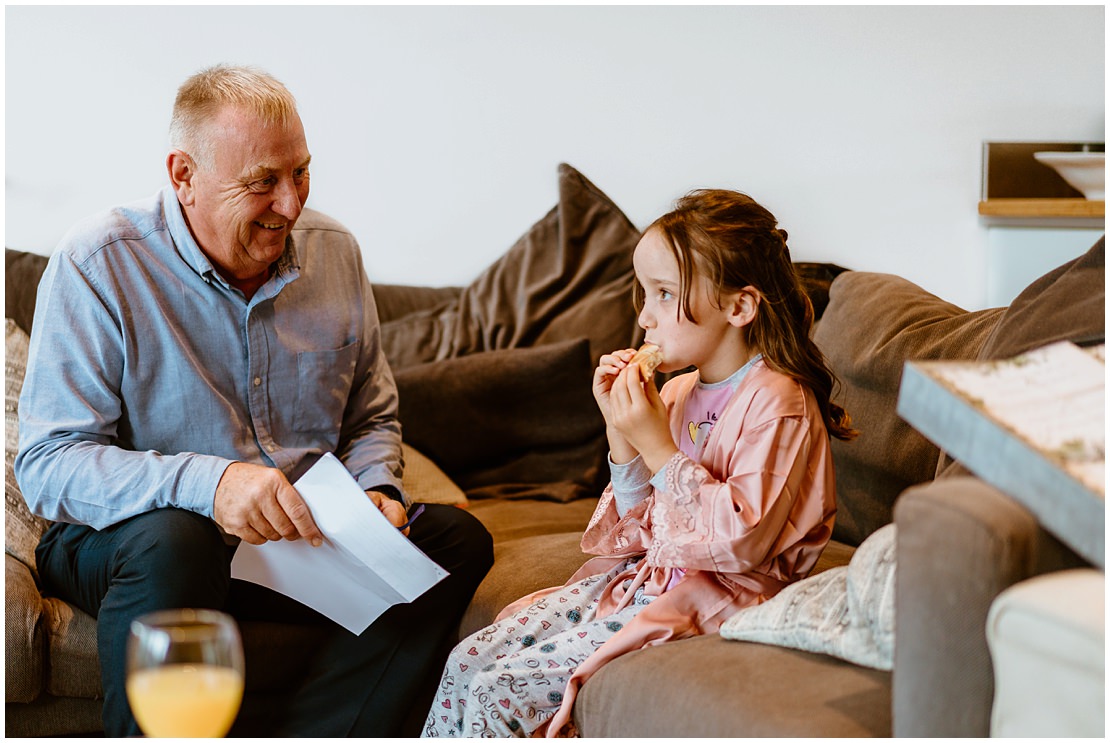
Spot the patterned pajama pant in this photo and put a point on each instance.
(508, 679)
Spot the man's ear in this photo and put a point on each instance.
(182, 170)
(744, 306)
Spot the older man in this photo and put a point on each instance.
(189, 353)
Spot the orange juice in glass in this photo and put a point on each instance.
(184, 673)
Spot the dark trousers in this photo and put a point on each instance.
(365, 685)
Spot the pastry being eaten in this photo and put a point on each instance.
(648, 358)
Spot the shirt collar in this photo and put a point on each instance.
(734, 379)
(287, 268)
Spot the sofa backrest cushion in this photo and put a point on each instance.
(873, 324)
(22, 272)
(1066, 304)
(510, 423)
(569, 276)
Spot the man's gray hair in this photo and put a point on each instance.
(204, 94)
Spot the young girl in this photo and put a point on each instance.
(722, 486)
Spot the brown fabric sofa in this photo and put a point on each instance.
(494, 386)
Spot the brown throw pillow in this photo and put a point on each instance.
(873, 324)
(569, 276)
(1066, 304)
(510, 423)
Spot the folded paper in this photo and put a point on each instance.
(364, 566)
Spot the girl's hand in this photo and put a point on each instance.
(608, 371)
(639, 416)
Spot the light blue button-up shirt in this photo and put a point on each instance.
(148, 374)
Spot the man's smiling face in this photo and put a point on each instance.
(246, 200)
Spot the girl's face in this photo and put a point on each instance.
(714, 344)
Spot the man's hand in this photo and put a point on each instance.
(257, 503)
(393, 510)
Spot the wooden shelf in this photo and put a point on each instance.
(1043, 208)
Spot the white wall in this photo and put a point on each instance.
(436, 131)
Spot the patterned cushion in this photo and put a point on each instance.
(846, 612)
(21, 530)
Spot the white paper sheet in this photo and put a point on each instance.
(364, 566)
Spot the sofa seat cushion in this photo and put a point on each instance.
(710, 687)
(507, 520)
(24, 634)
(50, 716)
(520, 567)
(74, 670)
(536, 544)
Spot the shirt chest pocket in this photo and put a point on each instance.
(324, 380)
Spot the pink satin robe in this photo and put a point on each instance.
(749, 518)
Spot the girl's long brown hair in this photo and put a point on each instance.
(735, 243)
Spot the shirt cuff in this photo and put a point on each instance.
(630, 483)
(659, 479)
(392, 492)
(199, 480)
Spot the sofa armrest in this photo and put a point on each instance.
(24, 634)
(960, 543)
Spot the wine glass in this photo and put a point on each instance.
(184, 673)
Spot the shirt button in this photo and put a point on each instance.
(257, 381)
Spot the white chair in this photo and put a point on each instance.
(1047, 643)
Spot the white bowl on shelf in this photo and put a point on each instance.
(1084, 171)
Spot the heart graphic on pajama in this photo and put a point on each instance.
(446, 703)
(545, 624)
(463, 667)
(504, 703)
(523, 620)
(472, 651)
(581, 634)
